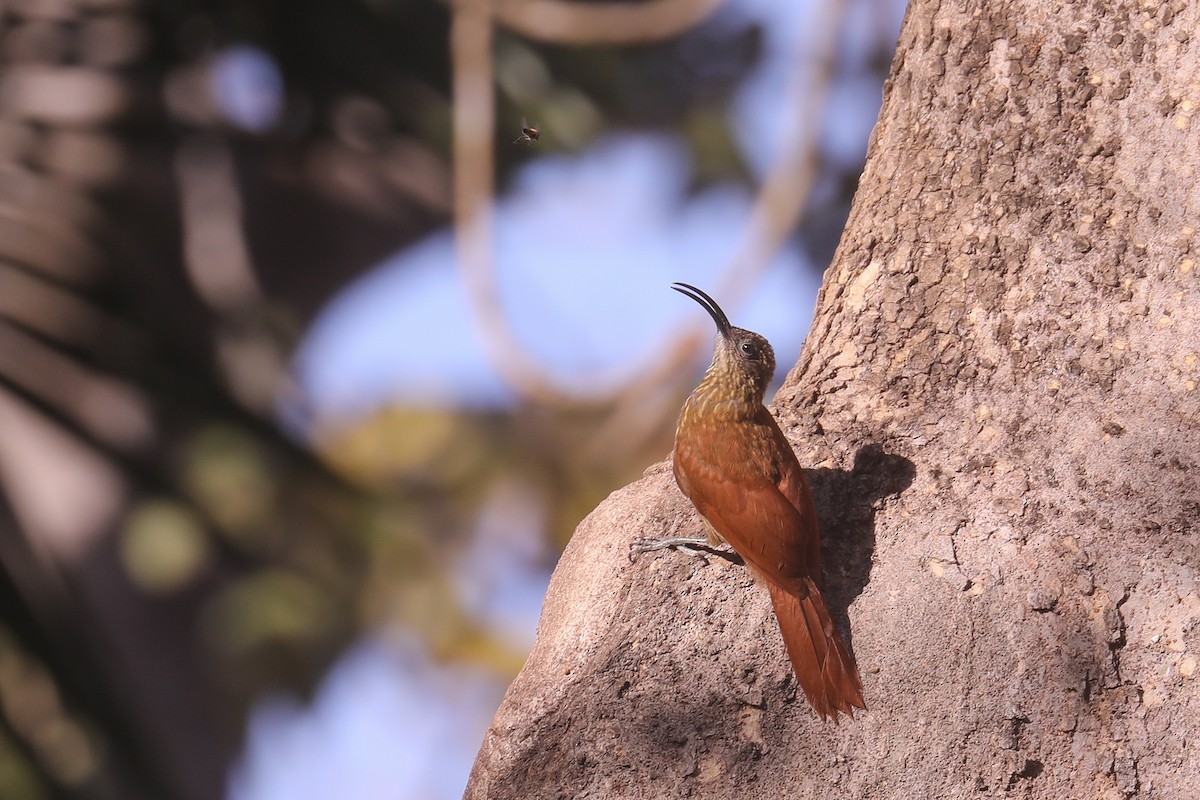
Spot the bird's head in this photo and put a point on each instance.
(742, 360)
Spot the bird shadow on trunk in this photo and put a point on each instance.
(846, 503)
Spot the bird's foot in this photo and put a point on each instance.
(689, 544)
(693, 545)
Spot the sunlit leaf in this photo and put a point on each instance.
(164, 546)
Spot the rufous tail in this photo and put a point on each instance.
(824, 667)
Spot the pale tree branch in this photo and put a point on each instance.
(471, 33)
(216, 255)
(471, 36)
(602, 23)
(220, 268)
(777, 211)
(775, 214)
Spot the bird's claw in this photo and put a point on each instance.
(697, 546)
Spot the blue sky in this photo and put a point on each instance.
(387, 723)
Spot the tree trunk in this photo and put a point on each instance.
(999, 399)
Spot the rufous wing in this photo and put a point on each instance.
(754, 516)
(775, 533)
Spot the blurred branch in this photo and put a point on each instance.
(471, 36)
(110, 410)
(108, 395)
(471, 33)
(38, 236)
(575, 23)
(777, 209)
(220, 268)
(55, 313)
(215, 252)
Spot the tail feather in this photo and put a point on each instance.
(824, 667)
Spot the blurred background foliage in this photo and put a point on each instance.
(184, 185)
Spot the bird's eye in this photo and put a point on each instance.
(749, 349)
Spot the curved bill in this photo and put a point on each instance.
(709, 304)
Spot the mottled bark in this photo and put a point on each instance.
(999, 400)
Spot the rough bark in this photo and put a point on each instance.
(999, 400)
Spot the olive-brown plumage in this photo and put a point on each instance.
(735, 465)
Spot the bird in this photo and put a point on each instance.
(735, 465)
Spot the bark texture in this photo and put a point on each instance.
(999, 401)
